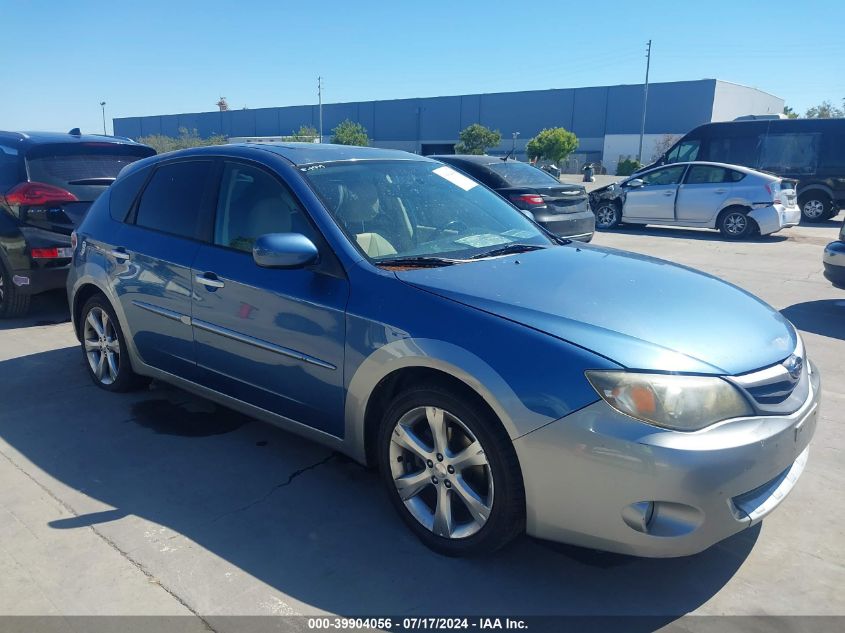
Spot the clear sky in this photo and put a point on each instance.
(61, 58)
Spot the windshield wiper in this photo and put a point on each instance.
(510, 249)
(419, 262)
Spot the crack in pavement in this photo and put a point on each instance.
(291, 478)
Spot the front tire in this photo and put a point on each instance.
(451, 472)
(104, 348)
(13, 303)
(608, 216)
(816, 207)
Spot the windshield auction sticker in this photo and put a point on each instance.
(456, 178)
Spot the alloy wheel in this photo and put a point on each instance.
(102, 347)
(814, 208)
(736, 223)
(2, 289)
(441, 472)
(606, 216)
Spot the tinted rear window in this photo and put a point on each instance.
(522, 175)
(75, 165)
(172, 200)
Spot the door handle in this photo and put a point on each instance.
(119, 254)
(721, 191)
(669, 193)
(209, 280)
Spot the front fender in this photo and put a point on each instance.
(442, 356)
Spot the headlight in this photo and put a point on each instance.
(679, 402)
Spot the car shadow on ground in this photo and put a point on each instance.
(48, 308)
(825, 317)
(693, 234)
(291, 514)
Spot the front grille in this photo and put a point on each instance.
(773, 389)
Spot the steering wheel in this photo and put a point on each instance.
(453, 225)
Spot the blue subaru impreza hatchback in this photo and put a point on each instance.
(501, 379)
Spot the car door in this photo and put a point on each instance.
(702, 193)
(655, 198)
(273, 338)
(152, 257)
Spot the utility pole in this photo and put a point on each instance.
(645, 100)
(320, 106)
(103, 106)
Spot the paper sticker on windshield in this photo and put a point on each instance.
(480, 241)
(456, 178)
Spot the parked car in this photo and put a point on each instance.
(834, 260)
(736, 200)
(47, 183)
(560, 208)
(808, 151)
(395, 310)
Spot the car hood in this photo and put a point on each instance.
(641, 312)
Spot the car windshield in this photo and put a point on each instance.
(415, 209)
(518, 174)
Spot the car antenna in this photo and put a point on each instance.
(508, 155)
(75, 132)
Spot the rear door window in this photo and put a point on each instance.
(790, 153)
(172, 201)
(84, 169)
(124, 192)
(709, 174)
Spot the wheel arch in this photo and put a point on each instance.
(80, 297)
(813, 187)
(383, 374)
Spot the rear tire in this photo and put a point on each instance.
(734, 224)
(461, 489)
(816, 207)
(608, 216)
(104, 348)
(13, 303)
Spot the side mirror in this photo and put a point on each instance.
(636, 182)
(284, 250)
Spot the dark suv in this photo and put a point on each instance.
(562, 209)
(47, 182)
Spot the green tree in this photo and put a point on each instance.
(187, 138)
(306, 133)
(475, 139)
(789, 112)
(627, 166)
(350, 133)
(825, 110)
(553, 144)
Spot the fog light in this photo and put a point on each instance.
(662, 518)
(638, 515)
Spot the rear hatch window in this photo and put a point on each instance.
(517, 174)
(83, 169)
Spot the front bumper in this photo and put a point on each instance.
(589, 478)
(577, 226)
(834, 263)
(773, 218)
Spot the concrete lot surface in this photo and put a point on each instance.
(159, 503)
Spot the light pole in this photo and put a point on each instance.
(320, 104)
(645, 101)
(103, 106)
(513, 143)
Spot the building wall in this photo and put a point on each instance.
(603, 117)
